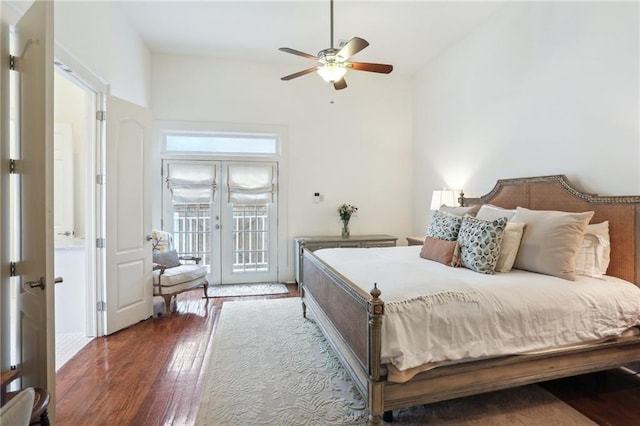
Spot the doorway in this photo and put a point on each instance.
(226, 213)
(74, 146)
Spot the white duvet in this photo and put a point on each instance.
(437, 313)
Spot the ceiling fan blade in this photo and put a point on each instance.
(297, 52)
(299, 73)
(340, 84)
(365, 66)
(352, 47)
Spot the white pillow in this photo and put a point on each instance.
(491, 212)
(594, 255)
(510, 245)
(460, 211)
(550, 241)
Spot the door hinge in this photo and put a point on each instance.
(101, 242)
(102, 306)
(12, 269)
(101, 115)
(100, 179)
(12, 62)
(12, 166)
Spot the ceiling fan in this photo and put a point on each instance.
(333, 63)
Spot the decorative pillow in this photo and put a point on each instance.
(444, 226)
(160, 241)
(442, 251)
(550, 241)
(480, 242)
(595, 252)
(491, 212)
(510, 245)
(168, 259)
(460, 211)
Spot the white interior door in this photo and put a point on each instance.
(34, 172)
(129, 291)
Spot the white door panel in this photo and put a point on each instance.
(129, 291)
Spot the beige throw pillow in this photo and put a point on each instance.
(491, 212)
(510, 245)
(550, 241)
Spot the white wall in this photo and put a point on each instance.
(540, 88)
(70, 106)
(100, 38)
(356, 150)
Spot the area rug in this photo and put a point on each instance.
(270, 366)
(254, 289)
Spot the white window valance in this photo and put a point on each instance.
(191, 183)
(250, 184)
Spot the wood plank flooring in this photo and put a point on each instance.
(152, 374)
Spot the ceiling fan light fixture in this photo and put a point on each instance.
(332, 72)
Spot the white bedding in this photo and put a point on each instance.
(458, 314)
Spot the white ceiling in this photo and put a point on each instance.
(405, 34)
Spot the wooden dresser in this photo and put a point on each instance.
(315, 243)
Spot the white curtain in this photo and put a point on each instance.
(191, 183)
(250, 184)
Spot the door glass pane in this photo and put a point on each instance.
(191, 231)
(222, 144)
(251, 237)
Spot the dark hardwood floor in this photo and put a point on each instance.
(152, 374)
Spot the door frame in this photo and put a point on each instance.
(220, 232)
(94, 204)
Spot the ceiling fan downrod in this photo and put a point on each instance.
(331, 21)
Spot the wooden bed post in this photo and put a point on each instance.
(375, 387)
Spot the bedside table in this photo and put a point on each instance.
(415, 241)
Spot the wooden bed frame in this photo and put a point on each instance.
(351, 318)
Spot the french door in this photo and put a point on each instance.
(225, 212)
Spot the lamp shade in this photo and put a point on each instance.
(331, 72)
(443, 197)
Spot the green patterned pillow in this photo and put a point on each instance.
(480, 242)
(444, 226)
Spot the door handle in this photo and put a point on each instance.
(148, 237)
(58, 280)
(33, 284)
(65, 233)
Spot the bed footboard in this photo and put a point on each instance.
(351, 320)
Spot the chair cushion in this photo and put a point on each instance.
(179, 275)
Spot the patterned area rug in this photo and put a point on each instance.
(254, 289)
(270, 366)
